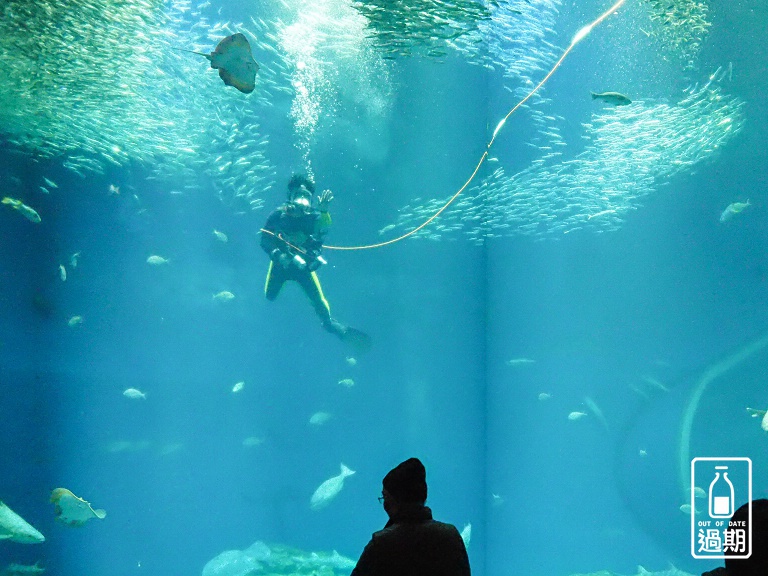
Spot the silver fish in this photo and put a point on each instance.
(612, 98)
(329, 489)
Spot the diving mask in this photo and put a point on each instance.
(301, 199)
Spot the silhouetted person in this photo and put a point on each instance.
(757, 563)
(412, 543)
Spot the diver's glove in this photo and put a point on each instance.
(324, 200)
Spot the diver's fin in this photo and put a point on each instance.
(360, 341)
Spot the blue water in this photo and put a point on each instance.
(670, 294)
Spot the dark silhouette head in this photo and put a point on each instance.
(296, 183)
(407, 482)
(757, 564)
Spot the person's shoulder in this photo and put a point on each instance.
(444, 525)
(386, 530)
(445, 530)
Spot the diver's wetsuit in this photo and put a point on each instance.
(305, 229)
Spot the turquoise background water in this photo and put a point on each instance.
(670, 295)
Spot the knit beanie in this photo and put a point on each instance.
(407, 482)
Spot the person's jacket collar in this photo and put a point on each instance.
(410, 513)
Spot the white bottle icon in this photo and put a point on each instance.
(721, 495)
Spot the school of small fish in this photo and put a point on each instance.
(680, 26)
(421, 26)
(629, 152)
(100, 103)
(315, 55)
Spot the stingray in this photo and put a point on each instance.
(72, 510)
(234, 61)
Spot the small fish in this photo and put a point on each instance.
(732, 209)
(386, 229)
(114, 189)
(134, 394)
(329, 489)
(757, 414)
(75, 321)
(642, 393)
(252, 441)
(466, 534)
(545, 396)
(223, 296)
(497, 500)
(220, 236)
(686, 509)
(15, 529)
(28, 212)
(699, 492)
(576, 415)
(73, 259)
(22, 569)
(155, 260)
(237, 387)
(655, 383)
(348, 382)
(62, 273)
(319, 418)
(72, 510)
(519, 361)
(612, 98)
(642, 453)
(351, 361)
(50, 183)
(601, 213)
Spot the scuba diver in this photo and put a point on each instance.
(293, 238)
